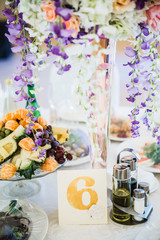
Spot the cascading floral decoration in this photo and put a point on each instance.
(34, 22)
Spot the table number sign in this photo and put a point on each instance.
(82, 197)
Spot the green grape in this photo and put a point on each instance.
(7, 132)
(1, 137)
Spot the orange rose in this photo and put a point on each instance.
(49, 8)
(121, 6)
(72, 24)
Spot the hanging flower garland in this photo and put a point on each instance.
(34, 22)
(145, 74)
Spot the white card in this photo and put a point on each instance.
(82, 197)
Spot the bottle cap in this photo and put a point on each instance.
(144, 186)
(138, 193)
(131, 161)
(121, 172)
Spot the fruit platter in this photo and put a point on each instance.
(29, 147)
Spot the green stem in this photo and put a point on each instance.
(36, 113)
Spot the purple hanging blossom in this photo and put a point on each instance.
(130, 52)
(65, 13)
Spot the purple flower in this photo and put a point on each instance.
(10, 38)
(35, 148)
(28, 131)
(8, 13)
(135, 122)
(21, 83)
(133, 90)
(27, 73)
(30, 57)
(145, 46)
(17, 92)
(65, 13)
(32, 99)
(66, 67)
(31, 108)
(29, 114)
(38, 134)
(130, 52)
(34, 119)
(14, 29)
(146, 31)
(31, 124)
(143, 104)
(17, 49)
(131, 99)
(140, 4)
(38, 141)
(136, 80)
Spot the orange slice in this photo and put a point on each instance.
(1, 124)
(37, 126)
(8, 170)
(23, 123)
(50, 164)
(42, 122)
(8, 116)
(21, 113)
(26, 143)
(11, 125)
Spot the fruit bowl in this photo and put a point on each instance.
(29, 149)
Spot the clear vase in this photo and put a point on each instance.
(99, 129)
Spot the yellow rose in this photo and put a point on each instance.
(121, 6)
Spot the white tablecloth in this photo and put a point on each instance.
(47, 199)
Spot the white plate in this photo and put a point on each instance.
(137, 144)
(38, 217)
(77, 162)
(150, 232)
(118, 139)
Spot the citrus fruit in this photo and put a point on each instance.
(50, 164)
(26, 143)
(8, 170)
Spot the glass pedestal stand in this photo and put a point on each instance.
(21, 189)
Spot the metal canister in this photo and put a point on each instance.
(138, 203)
(145, 187)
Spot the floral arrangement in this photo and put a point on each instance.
(34, 22)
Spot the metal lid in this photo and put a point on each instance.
(144, 186)
(131, 161)
(138, 193)
(121, 172)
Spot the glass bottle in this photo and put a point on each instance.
(121, 192)
(9, 103)
(131, 162)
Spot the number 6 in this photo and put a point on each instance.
(74, 197)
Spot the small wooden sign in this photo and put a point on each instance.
(82, 197)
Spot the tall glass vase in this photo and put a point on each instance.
(99, 130)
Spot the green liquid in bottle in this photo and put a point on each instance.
(121, 197)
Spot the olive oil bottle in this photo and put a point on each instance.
(121, 192)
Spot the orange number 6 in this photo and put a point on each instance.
(74, 197)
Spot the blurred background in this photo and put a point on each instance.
(57, 96)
